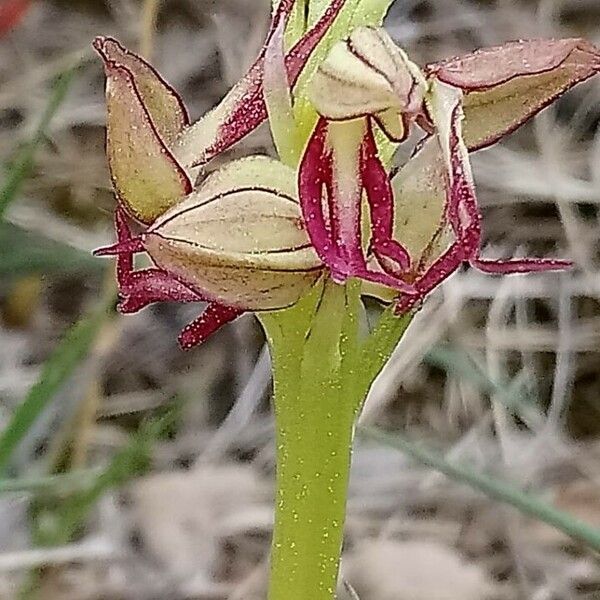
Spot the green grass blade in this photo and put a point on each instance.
(23, 163)
(501, 491)
(70, 352)
(513, 394)
(51, 484)
(130, 462)
(25, 253)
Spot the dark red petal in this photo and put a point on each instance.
(211, 320)
(521, 265)
(142, 288)
(380, 196)
(314, 180)
(462, 211)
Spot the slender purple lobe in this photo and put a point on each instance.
(520, 265)
(138, 289)
(380, 196)
(314, 184)
(212, 319)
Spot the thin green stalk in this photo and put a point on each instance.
(150, 10)
(20, 170)
(502, 491)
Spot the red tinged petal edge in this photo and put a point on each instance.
(161, 100)
(12, 13)
(139, 289)
(505, 86)
(251, 111)
(211, 320)
(489, 67)
(464, 217)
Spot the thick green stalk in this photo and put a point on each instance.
(315, 409)
(314, 440)
(322, 371)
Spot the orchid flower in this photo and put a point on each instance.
(424, 221)
(153, 154)
(298, 240)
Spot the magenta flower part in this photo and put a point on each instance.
(521, 78)
(256, 235)
(138, 289)
(249, 110)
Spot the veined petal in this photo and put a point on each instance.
(506, 85)
(164, 106)
(420, 202)
(147, 178)
(461, 219)
(243, 109)
(445, 107)
(239, 238)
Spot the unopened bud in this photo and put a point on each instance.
(368, 74)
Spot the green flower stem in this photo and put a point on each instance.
(314, 440)
(315, 427)
(322, 374)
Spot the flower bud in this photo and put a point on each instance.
(368, 74)
(239, 238)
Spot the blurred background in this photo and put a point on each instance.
(132, 470)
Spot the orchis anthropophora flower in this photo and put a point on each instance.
(261, 234)
(424, 221)
(255, 236)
